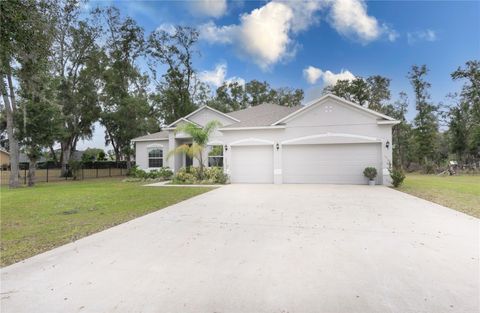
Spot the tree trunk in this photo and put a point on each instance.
(14, 153)
(10, 107)
(66, 150)
(116, 149)
(32, 166)
(200, 159)
(54, 156)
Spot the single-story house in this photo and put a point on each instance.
(23, 158)
(4, 158)
(329, 140)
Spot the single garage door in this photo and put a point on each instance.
(251, 164)
(329, 163)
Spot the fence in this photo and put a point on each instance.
(49, 172)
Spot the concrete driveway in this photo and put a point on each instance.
(264, 248)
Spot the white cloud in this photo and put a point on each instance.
(210, 8)
(262, 35)
(392, 34)
(304, 13)
(167, 27)
(350, 18)
(214, 34)
(313, 74)
(217, 76)
(266, 35)
(330, 78)
(423, 35)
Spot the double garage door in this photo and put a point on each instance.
(306, 164)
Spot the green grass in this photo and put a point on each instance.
(34, 220)
(461, 193)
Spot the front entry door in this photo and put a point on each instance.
(188, 159)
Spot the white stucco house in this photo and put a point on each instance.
(329, 140)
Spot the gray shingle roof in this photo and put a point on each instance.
(158, 135)
(23, 158)
(261, 115)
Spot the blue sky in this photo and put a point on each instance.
(308, 45)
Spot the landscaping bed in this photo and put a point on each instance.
(195, 176)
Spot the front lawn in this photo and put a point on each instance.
(34, 220)
(461, 193)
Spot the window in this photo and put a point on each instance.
(215, 156)
(155, 157)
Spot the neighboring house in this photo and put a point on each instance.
(23, 158)
(4, 158)
(75, 156)
(329, 140)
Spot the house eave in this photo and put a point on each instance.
(152, 139)
(388, 122)
(252, 128)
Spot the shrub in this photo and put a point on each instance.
(74, 167)
(184, 177)
(216, 175)
(370, 172)
(191, 175)
(429, 168)
(136, 172)
(397, 176)
(163, 173)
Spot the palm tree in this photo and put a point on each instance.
(200, 137)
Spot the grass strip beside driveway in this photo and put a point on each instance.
(461, 193)
(34, 220)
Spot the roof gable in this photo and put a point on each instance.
(318, 102)
(191, 117)
(180, 121)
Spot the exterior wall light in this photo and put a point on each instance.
(277, 146)
(226, 148)
(387, 144)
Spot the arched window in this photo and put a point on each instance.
(155, 157)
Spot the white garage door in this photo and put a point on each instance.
(251, 164)
(329, 163)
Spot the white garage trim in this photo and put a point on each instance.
(252, 142)
(155, 145)
(358, 138)
(215, 143)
